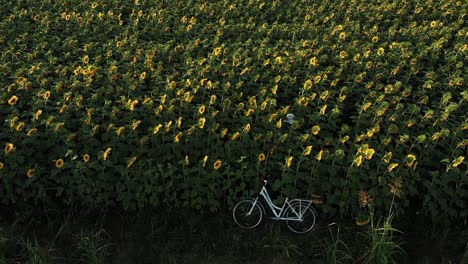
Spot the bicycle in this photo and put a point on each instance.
(299, 214)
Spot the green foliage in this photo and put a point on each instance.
(278, 242)
(34, 253)
(93, 246)
(384, 245)
(181, 103)
(335, 250)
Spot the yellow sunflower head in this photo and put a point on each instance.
(9, 148)
(217, 164)
(261, 157)
(30, 173)
(59, 163)
(13, 100)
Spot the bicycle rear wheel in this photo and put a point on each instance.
(307, 221)
(243, 218)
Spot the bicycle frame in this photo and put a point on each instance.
(277, 211)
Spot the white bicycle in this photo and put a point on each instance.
(299, 214)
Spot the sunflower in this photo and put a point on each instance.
(342, 36)
(86, 157)
(317, 79)
(344, 139)
(316, 198)
(65, 108)
(13, 121)
(106, 153)
(9, 148)
(249, 112)
(307, 150)
(131, 161)
(46, 95)
(204, 160)
(2, 165)
(343, 54)
(362, 222)
(235, 136)
(178, 137)
(283, 137)
(358, 160)
(30, 173)
(319, 155)
(157, 129)
(32, 131)
(325, 95)
(240, 106)
(366, 106)
(279, 123)
(136, 124)
(387, 157)
(59, 126)
(456, 162)
(381, 51)
(20, 126)
(261, 157)
(247, 128)
(217, 164)
(120, 130)
(289, 161)
(212, 99)
(223, 132)
(59, 163)
(410, 159)
(308, 85)
(217, 51)
(305, 137)
(168, 126)
(274, 89)
(316, 129)
(369, 153)
(94, 5)
(201, 109)
(392, 166)
(13, 100)
(201, 122)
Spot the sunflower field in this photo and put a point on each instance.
(183, 103)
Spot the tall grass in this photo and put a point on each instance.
(384, 244)
(94, 246)
(334, 248)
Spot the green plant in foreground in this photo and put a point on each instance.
(275, 240)
(93, 246)
(34, 252)
(465, 256)
(384, 246)
(334, 248)
(3, 242)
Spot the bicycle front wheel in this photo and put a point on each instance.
(247, 214)
(303, 224)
